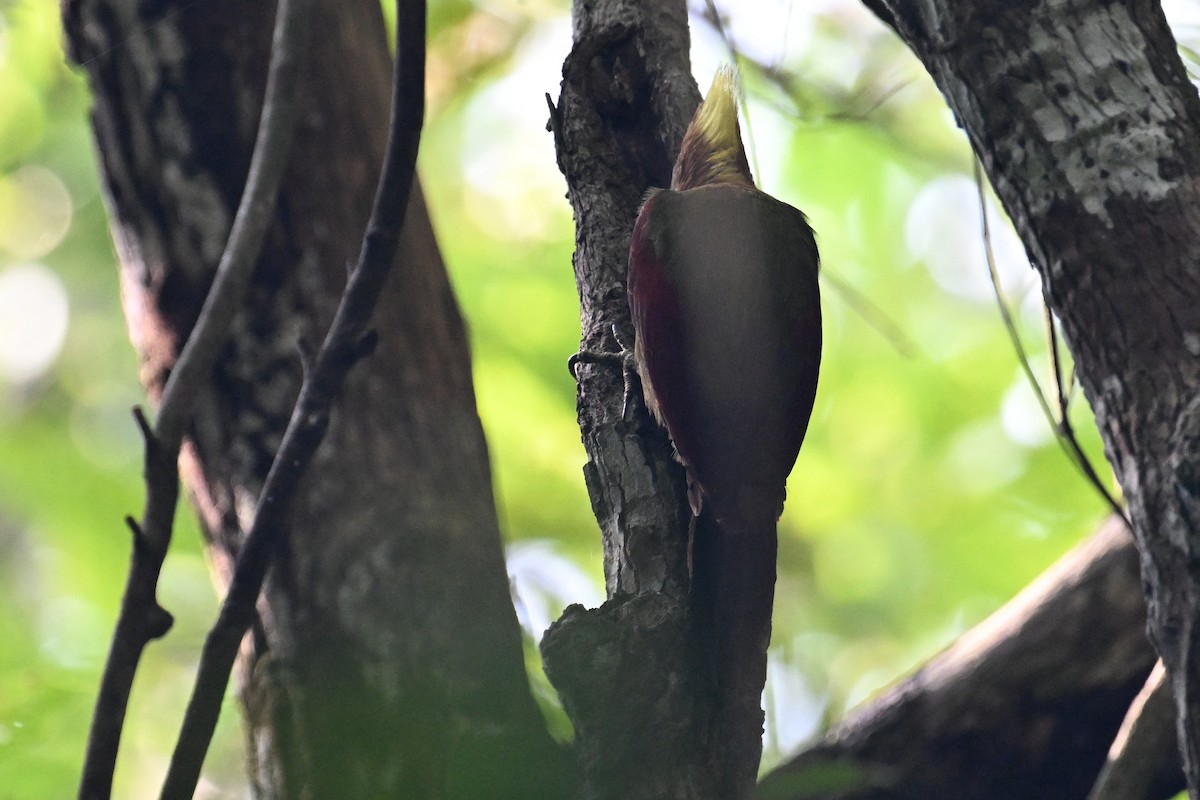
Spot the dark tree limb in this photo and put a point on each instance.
(1083, 116)
(1143, 763)
(346, 343)
(1022, 707)
(141, 619)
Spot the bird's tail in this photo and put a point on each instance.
(733, 587)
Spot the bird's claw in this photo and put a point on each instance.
(622, 358)
(593, 357)
(629, 375)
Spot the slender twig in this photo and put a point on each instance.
(1010, 324)
(141, 619)
(1056, 373)
(872, 314)
(785, 80)
(346, 342)
(1143, 763)
(271, 150)
(875, 104)
(1062, 393)
(1064, 434)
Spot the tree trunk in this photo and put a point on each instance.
(1089, 129)
(627, 95)
(388, 659)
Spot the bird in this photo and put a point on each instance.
(723, 294)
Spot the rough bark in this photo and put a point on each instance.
(627, 96)
(627, 672)
(1022, 707)
(388, 658)
(1089, 129)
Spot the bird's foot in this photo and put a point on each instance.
(622, 358)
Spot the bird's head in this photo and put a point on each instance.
(712, 149)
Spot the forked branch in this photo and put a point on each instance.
(347, 341)
(141, 619)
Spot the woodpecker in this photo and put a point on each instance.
(723, 295)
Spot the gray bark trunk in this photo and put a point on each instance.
(1089, 129)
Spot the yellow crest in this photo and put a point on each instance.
(717, 118)
(712, 147)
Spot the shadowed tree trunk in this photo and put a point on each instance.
(388, 660)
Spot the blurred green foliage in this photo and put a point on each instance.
(927, 494)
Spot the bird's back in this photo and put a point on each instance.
(744, 267)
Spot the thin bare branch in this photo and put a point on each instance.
(1061, 425)
(1066, 431)
(872, 314)
(1056, 374)
(141, 619)
(1143, 763)
(346, 342)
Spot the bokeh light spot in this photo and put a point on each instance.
(944, 230)
(101, 428)
(73, 634)
(35, 212)
(544, 582)
(981, 458)
(1022, 417)
(33, 321)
